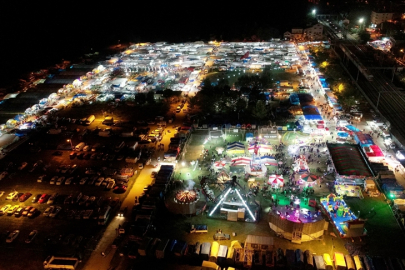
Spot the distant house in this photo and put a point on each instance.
(296, 33)
(314, 32)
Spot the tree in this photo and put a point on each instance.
(168, 93)
(260, 111)
(140, 98)
(150, 97)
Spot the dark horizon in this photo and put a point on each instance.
(37, 36)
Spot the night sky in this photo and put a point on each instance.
(35, 35)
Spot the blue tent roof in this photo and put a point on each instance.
(19, 117)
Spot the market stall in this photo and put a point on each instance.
(349, 190)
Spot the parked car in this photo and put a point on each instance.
(73, 169)
(26, 210)
(60, 181)
(12, 196)
(52, 199)
(12, 236)
(4, 209)
(3, 175)
(53, 180)
(32, 212)
(22, 166)
(72, 155)
(31, 236)
(65, 168)
(83, 180)
(43, 199)
(25, 196)
(12, 209)
(36, 198)
(55, 212)
(41, 178)
(69, 181)
(18, 212)
(48, 211)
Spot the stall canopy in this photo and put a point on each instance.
(309, 178)
(236, 147)
(348, 160)
(363, 139)
(275, 179)
(268, 160)
(241, 161)
(311, 113)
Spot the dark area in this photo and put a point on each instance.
(37, 35)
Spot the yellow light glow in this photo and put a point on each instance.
(341, 87)
(324, 64)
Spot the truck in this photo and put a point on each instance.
(90, 119)
(80, 146)
(104, 215)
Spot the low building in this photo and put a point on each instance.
(314, 32)
(379, 17)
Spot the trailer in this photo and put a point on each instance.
(290, 256)
(205, 251)
(214, 251)
(146, 242)
(358, 263)
(232, 251)
(199, 228)
(328, 261)
(207, 265)
(319, 262)
(299, 258)
(269, 258)
(309, 260)
(222, 252)
(161, 248)
(180, 248)
(349, 262)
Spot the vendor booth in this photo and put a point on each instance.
(349, 191)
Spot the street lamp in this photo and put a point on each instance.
(314, 12)
(71, 145)
(361, 22)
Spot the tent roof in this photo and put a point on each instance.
(348, 160)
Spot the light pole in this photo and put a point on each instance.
(361, 22)
(314, 12)
(71, 145)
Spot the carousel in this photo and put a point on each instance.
(307, 179)
(301, 165)
(184, 201)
